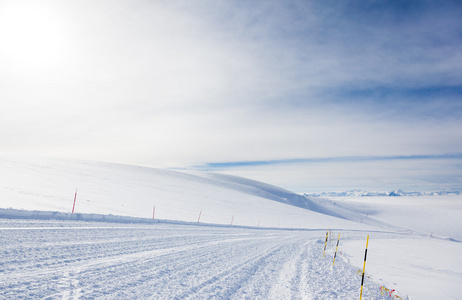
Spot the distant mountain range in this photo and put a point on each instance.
(395, 193)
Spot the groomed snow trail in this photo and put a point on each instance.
(84, 260)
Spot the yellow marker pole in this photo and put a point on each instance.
(325, 244)
(364, 268)
(336, 248)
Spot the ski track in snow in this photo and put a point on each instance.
(58, 260)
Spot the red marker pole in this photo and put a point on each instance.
(198, 219)
(232, 219)
(153, 212)
(75, 197)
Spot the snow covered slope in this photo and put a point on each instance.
(102, 188)
(414, 246)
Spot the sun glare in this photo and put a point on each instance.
(31, 34)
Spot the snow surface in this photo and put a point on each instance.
(46, 184)
(273, 250)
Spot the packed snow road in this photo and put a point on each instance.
(85, 260)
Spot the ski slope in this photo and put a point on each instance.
(272, 250)
(69, 259)
(49, 185)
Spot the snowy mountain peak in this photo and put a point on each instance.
(394, 193)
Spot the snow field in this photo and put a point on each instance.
(49, 185)
(68, 259)
(174, 258)
(439, 216)
(426, 268)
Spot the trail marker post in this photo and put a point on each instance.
(75, 198)
(364, 268)
(198, 219)
(336, 248)
(232, 219)
(325, 244)
(153, 212)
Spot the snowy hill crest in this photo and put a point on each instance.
(141, 192)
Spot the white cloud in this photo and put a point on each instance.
(169, 83)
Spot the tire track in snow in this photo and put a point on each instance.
(291, 283)
(170, 262)
(303, 270)
(167, 270)
(115, 265)
(223, 284)
(200, 269)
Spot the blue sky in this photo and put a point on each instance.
(307, 95)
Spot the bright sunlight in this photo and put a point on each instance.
(32, 35)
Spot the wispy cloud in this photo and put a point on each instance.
(237, 164)
(176, 83)
(417, 173)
